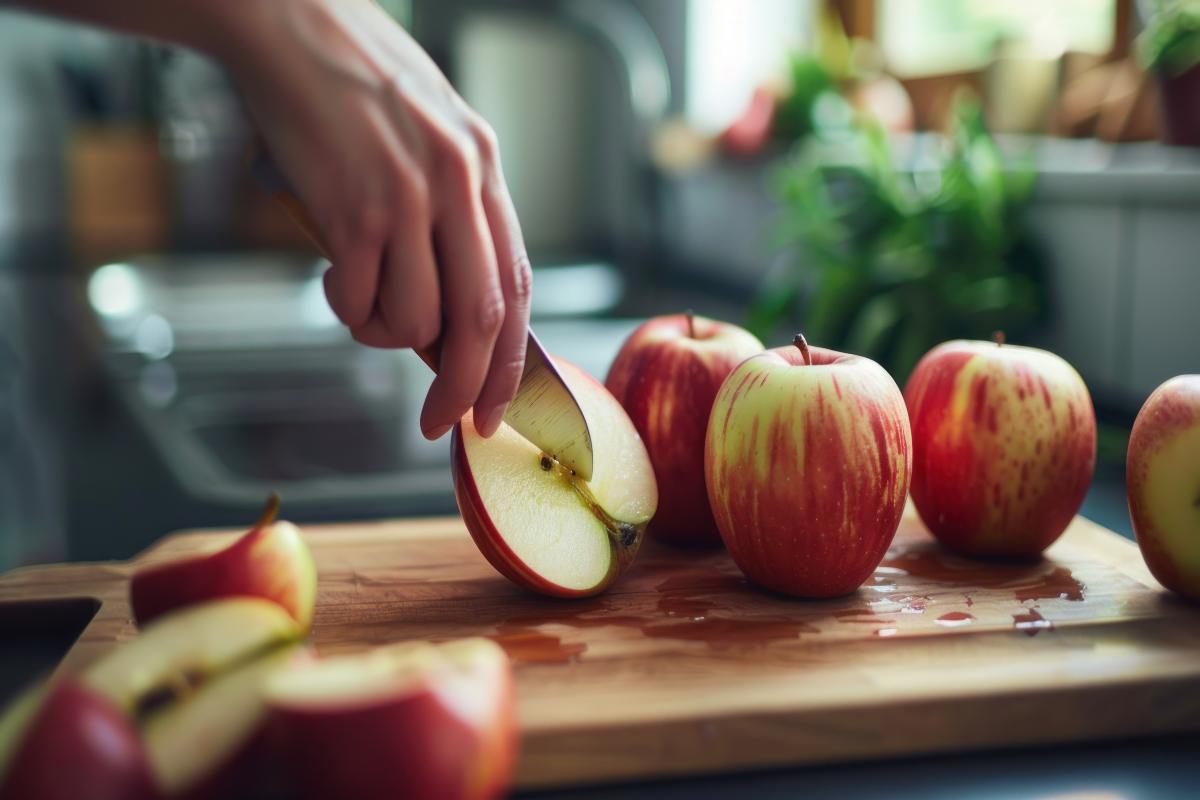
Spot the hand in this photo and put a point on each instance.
(403, 182)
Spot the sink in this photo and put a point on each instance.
(245, 384)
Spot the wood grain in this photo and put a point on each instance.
(683, 667)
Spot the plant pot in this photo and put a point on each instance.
(1180, 108)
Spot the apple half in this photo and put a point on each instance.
(193, 682)
(63, 741)
(408, 720)
(537, 522)
(272, 561)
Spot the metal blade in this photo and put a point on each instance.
(546, 413)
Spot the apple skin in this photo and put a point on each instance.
(1162, 478)
(807, 468)
(271, 561)
(77, 745)
(666, 376)
(1004, 444)
(450, 735)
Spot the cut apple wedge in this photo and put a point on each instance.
(538, 523)
(186, 648)
(227, 715)
(272, 561)
(63, 741)
(410, 720)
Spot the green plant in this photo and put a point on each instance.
(1170, 43)
(887, 264)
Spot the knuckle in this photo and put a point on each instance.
(487, 145)
(489, 313)
(368, 223)
(522, 281)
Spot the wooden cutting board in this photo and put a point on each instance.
(683, 667)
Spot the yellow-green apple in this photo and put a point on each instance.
(536, 521)
(271, 561)
(1004, 442)
(193, 680)
(666, 376)
(409, 720)
(807, 462)
(62, 741)
(1162, 478)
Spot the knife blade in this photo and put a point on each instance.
(543, 410)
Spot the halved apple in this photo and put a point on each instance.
(193, 681)
(62, 741)
(536, 521)
(409, 720)
(271, 561)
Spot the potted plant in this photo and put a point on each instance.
(1170, 48)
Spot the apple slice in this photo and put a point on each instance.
(271, 561)
(64, 741)
(185, 648)
(408, 720)
(226, 714)
(536, 521)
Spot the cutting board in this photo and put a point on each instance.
(683, 667)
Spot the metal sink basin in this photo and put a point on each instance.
(245, 384)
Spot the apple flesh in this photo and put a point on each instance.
(193, 681)
(1004, 443)
(64, 742)
(410, 720)
(271, 561)
(807, 460)
(666, 377)
(1162, 478)
(539, 524)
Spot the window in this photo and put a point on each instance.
(924, 37)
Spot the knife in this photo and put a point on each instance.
(544, 410)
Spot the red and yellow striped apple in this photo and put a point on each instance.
(1004, 443)
(1162, 478)
(272, 561)
(408, 720)
(807, 461)
(666, 376)
(63, 741)
(537, 522)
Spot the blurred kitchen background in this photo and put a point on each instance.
(884, 175)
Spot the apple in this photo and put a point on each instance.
(666, 376)
(408, 720)
(1004, 443)
(807, 462)
(271, 561)
(1162, 478)
(536, 521)
(63, 741)
(748, 135)
(193, 680)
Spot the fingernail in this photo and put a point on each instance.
(492, 420)
(437, 433)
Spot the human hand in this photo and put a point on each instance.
(403, 182)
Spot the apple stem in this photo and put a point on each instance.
(691, 323)
(802, 343)
(998, 338)
(269, 511)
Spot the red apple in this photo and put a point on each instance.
(64, 742)
(807, 461)
(536, 521)
(194, 681)
(271, 561)
(666, 376)
(409, 720)
(1162, 477)
(1004, 442)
